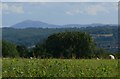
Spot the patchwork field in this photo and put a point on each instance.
(20, 67)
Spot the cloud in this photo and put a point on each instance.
(92, 8)
(39, 3)
(101, 8)
(74, 12)
(69, 13)
(12, 8)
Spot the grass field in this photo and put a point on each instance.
(18, 67)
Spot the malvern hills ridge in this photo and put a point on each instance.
(39, 24)
(33, 24)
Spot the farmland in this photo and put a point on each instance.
(21, 67)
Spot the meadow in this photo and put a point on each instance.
(21, 67)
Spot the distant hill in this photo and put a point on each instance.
(33, 24)
(39, 24)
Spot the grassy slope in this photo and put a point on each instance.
(59, 68)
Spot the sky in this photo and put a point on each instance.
(59, 13)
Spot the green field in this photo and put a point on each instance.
(20, 67)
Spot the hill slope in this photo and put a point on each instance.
(33, 24)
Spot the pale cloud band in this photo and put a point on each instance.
(94, 9)
(12, 8)
(60, 0)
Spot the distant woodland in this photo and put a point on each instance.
(104, 36)
(85, 42)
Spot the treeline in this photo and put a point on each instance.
(31, 36)
(59, 45)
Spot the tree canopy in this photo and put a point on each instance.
(69, 44)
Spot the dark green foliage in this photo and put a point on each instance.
(102, 53)
(23, 51)
(40, 51)
(31, 36)
(9, 49)
(68, 44)
(0, 48)
(66, 47)
(117, 55)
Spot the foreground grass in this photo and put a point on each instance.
(0, 68)
(19, 67)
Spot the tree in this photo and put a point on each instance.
(68, 44)
(0, 48)
(23, 51)
(9, 49)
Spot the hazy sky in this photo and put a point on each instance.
(60, 12)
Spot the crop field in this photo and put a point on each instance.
(21, 67)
